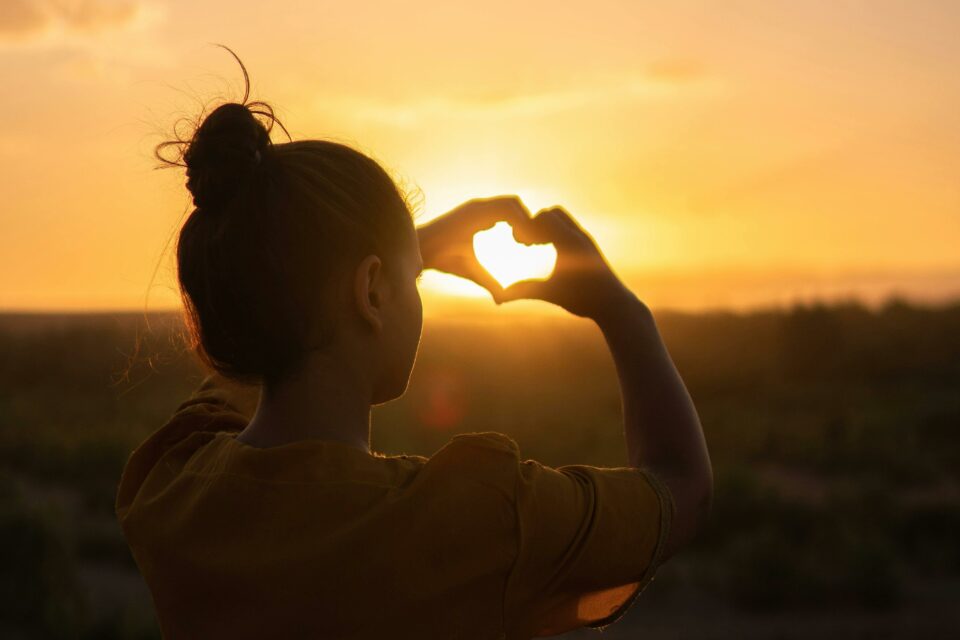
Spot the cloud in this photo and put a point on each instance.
(676, 70)
(103, 40)
(30, 22)
(21, 19)
(659, 80)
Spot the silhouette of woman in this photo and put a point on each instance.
(270, 517)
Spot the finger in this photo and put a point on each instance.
(567, 219)
(510, 209)
(475, 271)
(576, 234)
(525, 289)
(547, 226)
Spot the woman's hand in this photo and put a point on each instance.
(582, 282)
(446, 242)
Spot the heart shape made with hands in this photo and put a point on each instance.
(509, 261)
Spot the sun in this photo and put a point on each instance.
(509, 261)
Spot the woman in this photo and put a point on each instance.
(271, 517)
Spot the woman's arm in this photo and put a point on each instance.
(661, 425)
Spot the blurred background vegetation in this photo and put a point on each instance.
(833, 431)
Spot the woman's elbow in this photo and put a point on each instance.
(692, 503)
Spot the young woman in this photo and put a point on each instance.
(270, 517)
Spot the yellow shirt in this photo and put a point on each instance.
(318, 539)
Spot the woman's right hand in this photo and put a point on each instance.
(582, 281)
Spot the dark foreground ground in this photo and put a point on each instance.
(834, 432)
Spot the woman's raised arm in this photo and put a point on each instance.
(661, 425)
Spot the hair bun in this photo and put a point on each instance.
(224, 154)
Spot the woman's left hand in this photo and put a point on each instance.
(446, 242)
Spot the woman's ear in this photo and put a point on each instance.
(368, 290)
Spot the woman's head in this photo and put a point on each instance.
(293, 248)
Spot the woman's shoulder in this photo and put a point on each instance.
(486, 440)
(464, 448)
(474, 461)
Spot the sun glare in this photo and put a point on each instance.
(509, 261)
(437, 282)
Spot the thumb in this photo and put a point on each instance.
(474, 271)
(530, 289)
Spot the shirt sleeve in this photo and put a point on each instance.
(589, 541)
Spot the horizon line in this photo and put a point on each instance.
(494, 311)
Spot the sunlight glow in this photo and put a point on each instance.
(706, 176)
(509, 261)
(437, 282)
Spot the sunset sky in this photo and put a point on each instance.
(722, 154)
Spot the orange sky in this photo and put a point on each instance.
(748, 155)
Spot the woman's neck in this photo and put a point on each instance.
(326, 400)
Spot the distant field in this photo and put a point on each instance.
(834, 433)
